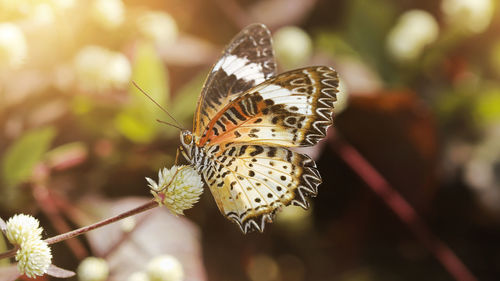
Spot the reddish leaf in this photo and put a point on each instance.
(9, 273)
(156, 232)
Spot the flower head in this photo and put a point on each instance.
(22, 228)
(178, 188)
(13, 47)
(138, 276)
(158, 27)
(413, 31)
(165, 268)
(99, 69)
(472, 15)
(34, 258)
(93, 269)
(108, 13)
(293, 46)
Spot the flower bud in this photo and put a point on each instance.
(165, 268)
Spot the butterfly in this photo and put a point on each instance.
(247, 118)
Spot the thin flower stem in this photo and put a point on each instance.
(52, 240)
(149, 205)
(124, 237)
(43, 196)
(9, 253)
(393, 199)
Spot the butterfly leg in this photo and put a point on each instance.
(176, 162)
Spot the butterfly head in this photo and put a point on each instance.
(187, 142)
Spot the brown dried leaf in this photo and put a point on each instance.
(59, 272)
(67, 155)
(9, 273)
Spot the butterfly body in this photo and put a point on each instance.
(246, 119)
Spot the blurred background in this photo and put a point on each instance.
(420, 101)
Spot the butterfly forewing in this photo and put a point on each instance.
(246, 62)
(292, 109)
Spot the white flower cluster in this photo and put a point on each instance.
(293, 46)
(472, 15)
(160, 268)
(34, 256)
(413, 31)
(108, 13)
(159, 27)
(165, 268)
(99, 69)
(13, 47)
(93, 269)
(178, 188)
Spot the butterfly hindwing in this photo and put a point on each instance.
(292, 109)
(246, 62)
(251, 182)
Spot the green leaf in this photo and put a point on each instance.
(334, 44)
(137, 121)
(135, 128)
(3, 248)
(151, 75)
(486, 108)
(22, 156)
(186, 99)
(367, 24)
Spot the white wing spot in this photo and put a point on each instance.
(241, 68)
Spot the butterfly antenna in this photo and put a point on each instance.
(167, 123)
(161, 107)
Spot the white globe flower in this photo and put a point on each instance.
(42, 14)
(165, 268)
(93, 269)
(108, 13)
(413, 31)
(158, 27)
(34, 258)
(99, 69)
(22, 228)
(138, 276)
(292, 45)
(63, 4)
(472, 15)
(342, 98)
(178, 188)
(119, 70)
(13, 47)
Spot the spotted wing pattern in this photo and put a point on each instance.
(246, 62)
(251, 182)
(292, 109)
(246, 118)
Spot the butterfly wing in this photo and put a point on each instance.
(291, 109)
(244, 121)
(251, 182)
(247, 61)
